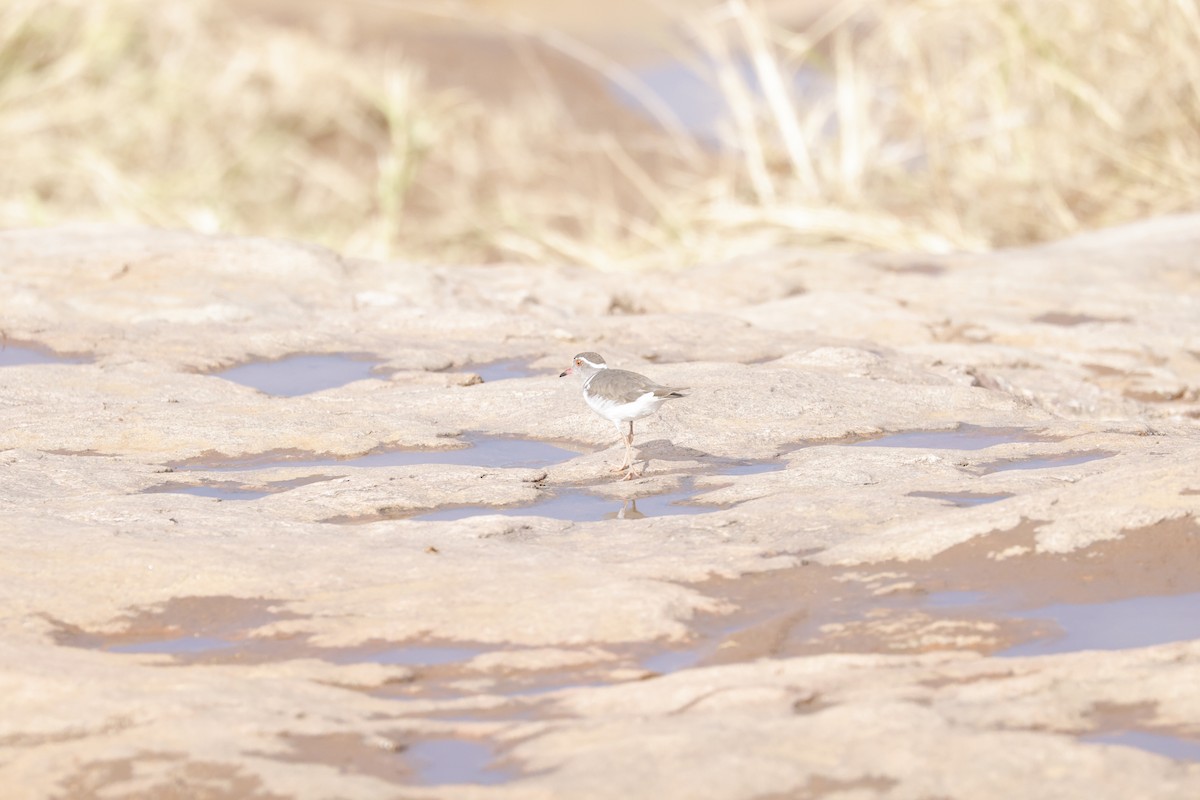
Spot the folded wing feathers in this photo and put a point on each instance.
(629, 386)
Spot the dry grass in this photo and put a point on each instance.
(947, 124)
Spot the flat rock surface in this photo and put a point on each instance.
(426, 582)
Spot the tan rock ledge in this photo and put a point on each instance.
(862, 435)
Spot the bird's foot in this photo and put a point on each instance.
(633, 473)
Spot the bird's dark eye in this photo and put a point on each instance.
(579, 362)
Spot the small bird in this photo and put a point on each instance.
(619, 396)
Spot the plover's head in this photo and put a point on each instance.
(585, 364)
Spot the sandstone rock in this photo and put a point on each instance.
(591, 635)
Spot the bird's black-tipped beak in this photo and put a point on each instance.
(565, 373)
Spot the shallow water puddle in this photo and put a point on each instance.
(502, 370)
(963, 499)
(15, 355)
(1163, 744)
(218, 491)
(297, 375)
(185, 630)
(675, 660)
(707, 649)
(579, 505)
(423, 655)
(964, 599)
(177, 646)
(1047, 462)
(975, 437)
(1107, 596)
(964, 437)
(183, 626)
(232, 490)
(401, 760)
(439, 762)
(1116, 625)
(481, 451)
(753, 468)
(219, 629)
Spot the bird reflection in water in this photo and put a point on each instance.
(628, 510)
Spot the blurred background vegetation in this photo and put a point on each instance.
(630, 136)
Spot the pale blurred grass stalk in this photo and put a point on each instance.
(962, 123)
(947, 124)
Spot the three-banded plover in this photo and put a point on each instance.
(619, 396)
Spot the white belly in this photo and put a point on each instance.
(616, 412)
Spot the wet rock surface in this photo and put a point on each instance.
(889, 465)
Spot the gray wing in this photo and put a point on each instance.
(628, 386)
